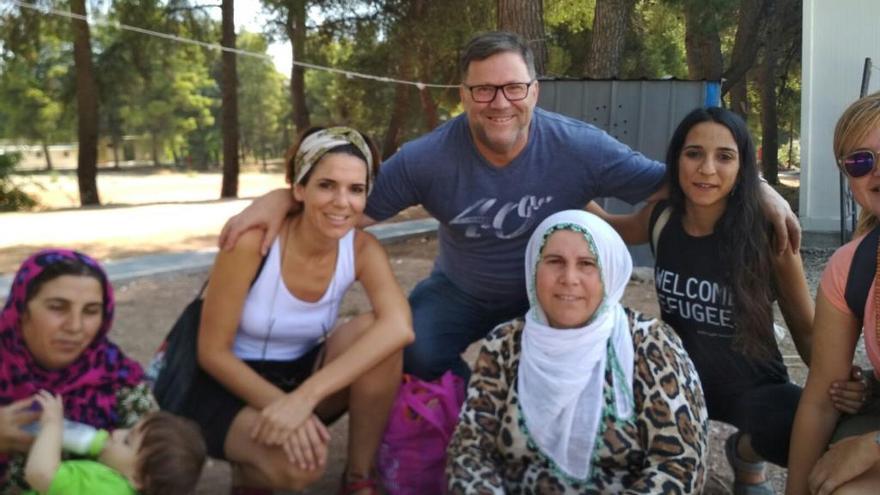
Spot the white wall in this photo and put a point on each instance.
(32, 157)
(838, 35)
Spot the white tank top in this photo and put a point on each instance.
(283, 328)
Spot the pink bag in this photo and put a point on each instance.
(412, 456)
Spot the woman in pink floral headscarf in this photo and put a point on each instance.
(53, 336)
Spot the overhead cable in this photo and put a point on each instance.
(221, 48)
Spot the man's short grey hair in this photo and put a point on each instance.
(483, 46)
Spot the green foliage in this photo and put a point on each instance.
(655, 45)
(569, 26)
(716, 15)
(401, 43)
(157, 88)
(36, 89)
(169, 92)
(789, 154)
(789, 106)
(575, 15)
(30, 100)
(262, 100)
(11, 197)
(171, 107)
(567, 51)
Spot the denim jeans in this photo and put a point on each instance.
(446, 321)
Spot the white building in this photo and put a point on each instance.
(133, 150)
(33, 156)
(838, 36)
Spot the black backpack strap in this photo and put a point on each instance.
(259, 270)
(659, 217)
(861, 273)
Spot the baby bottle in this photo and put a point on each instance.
(78, 438)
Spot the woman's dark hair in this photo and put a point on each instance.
(64, 266)
(348, 149)
(744, 246)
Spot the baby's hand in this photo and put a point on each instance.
(53, 407)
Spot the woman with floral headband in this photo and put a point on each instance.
(274, 365)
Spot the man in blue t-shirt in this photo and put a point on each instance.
(490, 176)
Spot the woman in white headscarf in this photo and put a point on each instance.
(581, 394)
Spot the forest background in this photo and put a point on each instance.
(64, 80)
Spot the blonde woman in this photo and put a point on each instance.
(836, 329)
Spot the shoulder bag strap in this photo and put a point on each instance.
(659, 218)
(862, 273)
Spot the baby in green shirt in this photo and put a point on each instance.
(161, 454)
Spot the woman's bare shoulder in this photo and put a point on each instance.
(364, 240)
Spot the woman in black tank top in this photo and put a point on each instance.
(716, 277)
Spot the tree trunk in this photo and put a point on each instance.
(296, 31)
(769, 120)
(48, 156)
(783, 33)
(702, 43)
(429, 108)
(286, 138)
(790, 143)
(154, 142)
(230, 105)
(749, 29)
(398, 115)
(769, 117)
(115, 147)
(87, 109)
(423, 59)
(525, 18)
(739, 98)
(610, 25)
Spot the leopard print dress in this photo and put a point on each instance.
(661, 449)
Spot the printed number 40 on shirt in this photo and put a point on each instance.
(477, 216)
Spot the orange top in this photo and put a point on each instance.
(833, 285)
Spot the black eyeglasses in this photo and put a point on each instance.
(858, 163)
(485, 93)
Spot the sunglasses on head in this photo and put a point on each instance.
(858, 163)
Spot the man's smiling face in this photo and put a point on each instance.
(500, 128)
